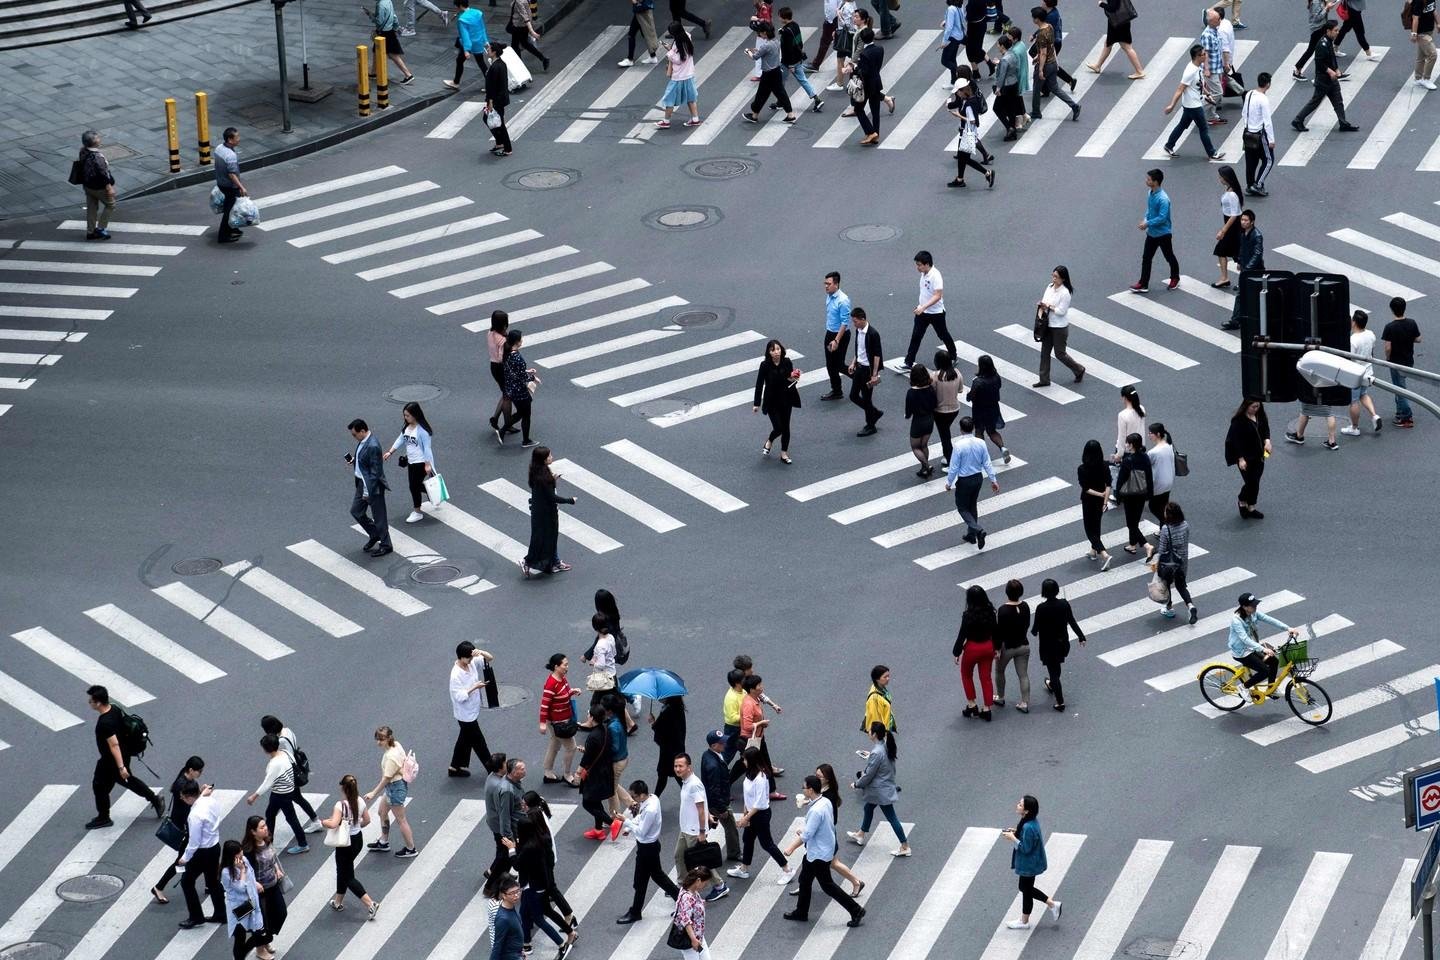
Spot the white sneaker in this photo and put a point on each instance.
(1018, 924)
(407, 33)
(1378, 423)
(627, 62)
(834, 86)
(1005, 454)
(649, 58)
(313, 827)
(1427, 84)
(1341, 54)
(856, 837)
(1055, 910)
(1350, 431)
(785, 877)
(739, 873)
(415, 517)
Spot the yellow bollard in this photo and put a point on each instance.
(382, 75)
(202, 124)
(172, 134)
(362, 57)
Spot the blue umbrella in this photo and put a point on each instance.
(652, 682)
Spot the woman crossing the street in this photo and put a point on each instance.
(396, 788)
(417, 457)
(984, 397)
(755, 822)
(558, 721)
(349, 815)
(877, 783)
(1093, 475)
(680, 68)
(1227, 238)
(1012, 621)
(1247, 444)
(543, 556)
(1134, 487)
(520, 384)
(920, 403)
(777, 395)
(1052, 318)
(499, 328)
(974, 650)
(1170, 558)
(1053, 622)
(1027, 859)
(947, 383)
(269, 875)
(1162, 469)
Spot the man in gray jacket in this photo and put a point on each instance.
(504, 806)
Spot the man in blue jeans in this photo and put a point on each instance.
(1400, 336)
(1190, 94)
(889, 26)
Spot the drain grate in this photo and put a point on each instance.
(418, 392)
(1153, 948)
(435, 573)
(90, 888)
(542, 178)
(870, 233)
(196, 566)
(32, 950)
(720, 168)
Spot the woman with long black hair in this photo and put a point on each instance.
(269, 875)
(1053, 622)
(499, 331)
(1054, 305)
(353, 816)
(518, 380)
(178, 815)
(543, 556)
(680, 68)
(531, 853)
(766, 53)
(947, 383)
(1247, 444)
(668, 728)
(417, 458)
(1093, 475)
(877, 781)
(920, 403)
(974, 650)
(244, 918)
(984, 398)
(1027, 859)
(1227, 238)
(755, 822)
(776, 395)
(1134, 487)
(597, 775)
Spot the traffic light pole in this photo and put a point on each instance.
(1262, 344)
(284, 75)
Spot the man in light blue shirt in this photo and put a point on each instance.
(968, 461)
(1245, 645)
(837, 318)
(818, 838)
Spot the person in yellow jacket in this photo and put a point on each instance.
(878, 708)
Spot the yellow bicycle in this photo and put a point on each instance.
(1223, 684)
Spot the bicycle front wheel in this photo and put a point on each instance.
(1309, 701)
(1221, 687)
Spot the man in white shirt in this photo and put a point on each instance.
(694, 820)
(864, 370)
(1189, 95)
(1258, 136)
(642, 820)
(201, 857)
(465, 687)
(930, 311)
(1362, 343)
(817, 836)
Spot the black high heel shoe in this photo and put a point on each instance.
(970, 712)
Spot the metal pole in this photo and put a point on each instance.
(1427, 907)
(1264, 325)
(304, 52)
(1303, 347)
(284, 77)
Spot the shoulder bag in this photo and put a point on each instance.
(172, 834)
(678, 938)
(1167, 565)
(1250, 138)
(339, 835)
(1182, 464)
(1134, 485)
(1042, 321)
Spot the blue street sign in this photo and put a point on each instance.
(1421, 878)
(1426, 799)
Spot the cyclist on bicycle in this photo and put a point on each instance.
(1245, 645)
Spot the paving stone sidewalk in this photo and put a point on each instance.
(117, 84)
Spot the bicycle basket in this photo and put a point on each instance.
(1296, 651)
(1301, 669)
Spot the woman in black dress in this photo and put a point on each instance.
(1094, 477)
(1053, 621)
(920, 411)
(543, 555)
(776, 395)
(1134, 487)
(668, 727)
(1118, 14)
(1227, 238)
(1247, 444)
(984, 399)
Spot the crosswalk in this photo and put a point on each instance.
(53, 291)
(1229, 900)
(621, 105)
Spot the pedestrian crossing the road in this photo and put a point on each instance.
(1231, 900)
(1118, 115)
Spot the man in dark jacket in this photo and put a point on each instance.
(497, 97)
(864, 369)
(99, 186)
(1251, 260)
(716, 776)
(1327, 82)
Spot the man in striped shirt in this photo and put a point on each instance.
(279, 782)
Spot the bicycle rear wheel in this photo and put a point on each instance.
(1221, 687)
(1309, 701)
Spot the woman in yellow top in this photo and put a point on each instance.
(392, 781)
(878, 708)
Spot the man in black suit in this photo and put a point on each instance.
(864, 369)
(370, 487)
(1327, 82)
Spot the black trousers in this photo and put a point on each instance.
(1324, 91)
(818, 871)
(943, 422)
(647, 868)
(827, 37)
(1134, 510)
(1029, 894)
(937, 320)
(1092, 509)
(415, 473)
(470, 738)
(679, 14)
(522, 413)
(1262, 668)
(1258, 161)
(345, 878)
(1054, 340)
(779, 413)
(460, 57)
(501, 862)
(371, 514)
(105, 779)
(1164, 244)
(244, 941)
(501, 135)
(950, 57)
(286, 802)
(520, 39)
(772, 83)
(759, 829)
(861, 394)
(1354, 23)
(1178, 584)
(272, 905)
(1310, 49)
(835, 359)
(1053, 669)
(967, 502)
(868, 113)
(1250, 489)
(1157, 505)
(205, 862)
(595, 806)
(231, 195)
(133, 7)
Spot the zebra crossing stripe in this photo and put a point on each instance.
(1056, 114)
(761, 893)
(117, 226)
(112, 249)
(477, 530)
(1385, 739)
(681, 479)
(1375, 696)
(305, 607)
(729, 401)
(485, 272)
(1030, 528)
(670, 387)
(1113, 577)
(853, 478)
(1431, 161)
(1307, 909)
(67, 290)
(928, 921)
(417, 553)
(222, 621)
(604, 320)
(517, 289)
(1178, 636)
(1424, 228)
(1224, 299)
(692, 352)
(1388, 128)
(1391, 933)
(610, 98)
(825, 936)
(951, 518)
(1243, 49)
(463, 252)
(1060, 851)
(364, 178)
(1113, 919)
(1186, 675)
(930, 488)
(615, 497)
(444, 231)
(719, 54)
(1280, 83)
(79, 861)
(31, 359)
(1388, 250)
(582, 533)
(1305, 145)
(82, 666)
(36, 707)
(15, 383)
(376, 223)
(44, 336)
(353, 575)
(1364, 278)
(30, 820)
(1045, 562)
(53, 313)
(456, 120)
(613, 345)
(366, 202)
(1139, 608)
(156, 644)
(926, 106)
(1096, 368)
(94, 269)
(914, 47)
(574, 300)
(1132, 101)
(1017, 375)
(1218, 897)
(1179, 321)
(559, 85)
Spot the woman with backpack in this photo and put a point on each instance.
(349, 816)
(397, 769)
(1170, 558)
(966, 105)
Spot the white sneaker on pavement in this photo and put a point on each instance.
(1350, 431)
(1018, 924)
(739, 873)
(856, 837)
(627, 62)
(415, 517)
(785, 877)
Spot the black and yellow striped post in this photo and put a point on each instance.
(535, 11)
(172, 134)
(202, 125)
(382, 75)
(362, 62)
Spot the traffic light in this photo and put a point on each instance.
(1297, 308)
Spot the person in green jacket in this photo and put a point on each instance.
(387, 26)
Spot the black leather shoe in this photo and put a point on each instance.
(190, 923)
(371, 544)
(796, 916)
(629, 916)
(980, 540)
(856, 920)
(99, 822)
(866, 431)
(382, 551)
(1229, 325)
(833, 395)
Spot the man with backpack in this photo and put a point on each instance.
(289, 746)
(119, 736)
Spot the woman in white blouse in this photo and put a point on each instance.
(1054, 303)
(1130, 419)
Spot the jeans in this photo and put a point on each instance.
(1163, 243)
(924, 321)
(1189, 115)
(888, 23)
(1047, 83)
(888, 810)
(1402, 406)
(1021, 656)
(797, 70)
(967, 499)
(532, 915)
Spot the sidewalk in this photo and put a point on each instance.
(117, 84)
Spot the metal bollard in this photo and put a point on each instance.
(362, 61)
(202, 125)
(172, 134)
(382, 75)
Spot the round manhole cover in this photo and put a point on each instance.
(664, 407)
(32, 950)
(435, 573)
(418, 392)
(195, 566)
(720, 168)
(90, 888)
(542, 179)
(512, 695)
(695, 318)
(683, 218)
(1155, 948)
(870, 233)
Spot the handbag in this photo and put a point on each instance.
(855, 90)
(968, 139)
(286, 884)
(77, 172)
(1042, 322)
(599, 680)
(172, 834)
(1182, 465)
(1232, 84)
(1158, 589)
(754, 742)
(338, 835)
(532, 386)
(435, 489)
(678, 938)
(244, 910)
(707, 854)
(1134, 485)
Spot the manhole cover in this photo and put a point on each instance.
(511, 695)
(418, 392)
(694, 318)
(1155, 948)
(869, 233)
(683, 218)
(720, 168)
(541, 179)
(664, 407)
(196, 566)
(32, 950)
(90, 888)
(435, 573)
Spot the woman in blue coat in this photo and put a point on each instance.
(247, 931)
(1028, 861)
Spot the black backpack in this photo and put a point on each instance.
(134, 735)
(978, 104)
(302, 765)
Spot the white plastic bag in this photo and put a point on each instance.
(519, 75)
(493, 120)
(244, 213)
(1158, 589)
(217, 200)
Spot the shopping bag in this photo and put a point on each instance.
(244, 213)
(493, 120)
(436, 490)
(1158, 589)
(217, 200)
(519, 75)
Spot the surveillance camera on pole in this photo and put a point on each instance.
(1322, 369)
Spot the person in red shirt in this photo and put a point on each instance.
(557, 719)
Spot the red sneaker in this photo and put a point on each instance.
(615, 826)
(593, 834)
(1171, 284)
